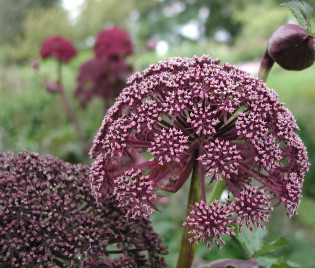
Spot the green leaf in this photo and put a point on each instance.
(302, 11)
(267, 262)
(268, 247)
(252, 240)
(281, 263)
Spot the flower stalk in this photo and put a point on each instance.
(69, 110)
(187, 249)
(265, 66)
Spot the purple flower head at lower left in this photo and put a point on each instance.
(186, 114)
(49, 218)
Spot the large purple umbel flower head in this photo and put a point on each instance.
(192, 112)
(113, 43)
(58, 47)
(49, 218)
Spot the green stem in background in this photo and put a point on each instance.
(187, 249)
(70, 111)
(217, 190)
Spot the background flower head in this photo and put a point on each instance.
(194, 112)
(113, 43)
(49, 218)
(101, 77)
(58, 47)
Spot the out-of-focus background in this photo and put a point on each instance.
(235, 31)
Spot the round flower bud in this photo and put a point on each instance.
(292, 47)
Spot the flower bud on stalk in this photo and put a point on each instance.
(291, 46)
(53, 87)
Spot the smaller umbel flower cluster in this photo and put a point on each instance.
(48, 218)
(59, 48)
(103, 78)
(105, 75)
(193, 116)
(113, 43)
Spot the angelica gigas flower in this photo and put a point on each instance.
(102, 77)
(48, 217)
(58, 47)
(252, 207)
(192, 113)
(135, 190)
(209, 222)
(113, 43)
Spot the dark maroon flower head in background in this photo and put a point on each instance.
(113, 43)
(48, 214)
(191, 112)
(101, 77)
(58, 47)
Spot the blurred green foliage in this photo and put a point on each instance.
(12, 14)
(144, 20)
(246, 24)
(259, 20)
(98, 14)
(35, 120)
(38, 25)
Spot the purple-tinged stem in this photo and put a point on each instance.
(186, 253)
(265, 66)
(70, 111)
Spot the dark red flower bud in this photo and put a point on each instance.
(151, 44)
(292, 47)
(34, 64)
(53, 87)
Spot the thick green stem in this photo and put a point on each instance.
(186, 253)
